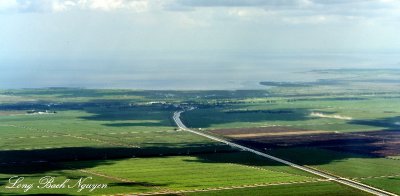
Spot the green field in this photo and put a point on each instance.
(319, 188)
(385, 183)
(187, 172)
(33, 173)
(127, 139)
(133, 130)
(101, 134)
(379, 172)
(373, 113)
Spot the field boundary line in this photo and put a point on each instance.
(223, 188)
(32, 137)
(114, 178)
(370, 177)
(101, 141)
(56, 133)
(105, 176)
(341, 180)
(367, 136)
(260, 168)
(30, 128)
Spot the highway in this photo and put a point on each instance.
(345, 181)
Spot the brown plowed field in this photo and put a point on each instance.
(375, 143)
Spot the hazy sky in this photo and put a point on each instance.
(130, 43)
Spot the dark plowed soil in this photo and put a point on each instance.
(253, 130)
(374, 143)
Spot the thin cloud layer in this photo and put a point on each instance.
(109, 5)
(129, 42)
(305, 8)
(199, 25)
(286, 11)
(68, 5)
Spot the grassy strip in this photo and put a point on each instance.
(316, 188)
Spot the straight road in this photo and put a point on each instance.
(345, 181)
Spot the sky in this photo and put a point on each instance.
(189, 44)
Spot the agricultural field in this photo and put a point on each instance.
(356, 137)
(328, 114)
(368, 157)
(127, 139)
(196, 172)
(70, 144)
(133, 147)
(382, 173)
(132, 133)
(320, 188)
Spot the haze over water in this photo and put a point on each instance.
(190, 44)
(186, 71)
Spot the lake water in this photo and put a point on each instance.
(181, 70)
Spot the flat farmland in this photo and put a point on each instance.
(68, 131)
(202, 172)
(375, 171)
(390, 183)
(218, 173)
(319, 188)
(33, 172)
(361, 156)
(93, 142)
(178, 173)
(128, 140)
(383, 143)
(323, 114)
